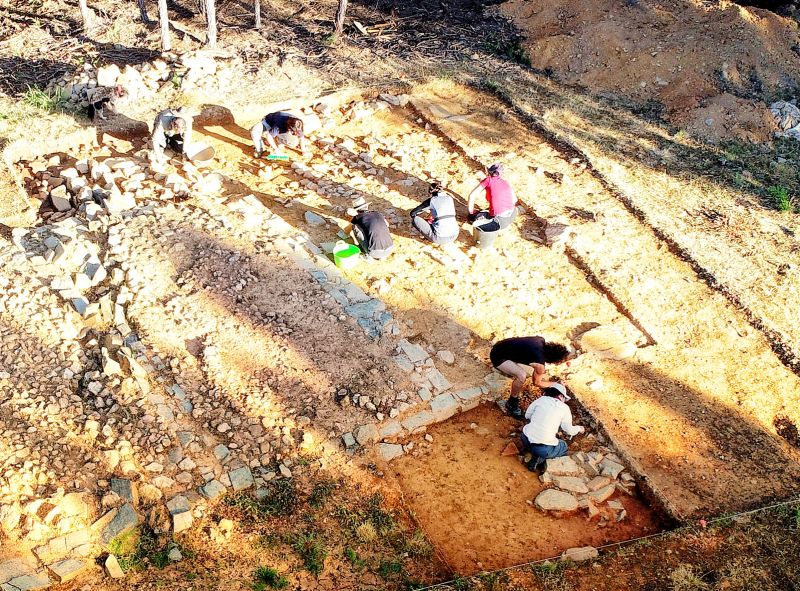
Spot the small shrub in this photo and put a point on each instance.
(380, 518)
(355, 560)
(46, 101)
(390, 568)
(493, 581)
(311, 551)
(267, 577)
(684, 578)
(780, 198)
(418, 545)
(461, 584)
(366, 532)
(321, 493)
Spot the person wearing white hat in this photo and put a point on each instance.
(371, 231)
(546, 415)
(435, 218)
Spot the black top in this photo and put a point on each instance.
(525, 350)
(375, 230)
(277, 122)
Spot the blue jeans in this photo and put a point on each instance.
(545, 452)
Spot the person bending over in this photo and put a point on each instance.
(172, 129)
(104, 97)
(509, 357)
(371, 231)
(502, 202)
(440, 225)
(546, 415)
(272, 126)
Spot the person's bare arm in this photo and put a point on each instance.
(472, 196)
(540, 379)
(272, 143)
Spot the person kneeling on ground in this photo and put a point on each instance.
(172, 129)
(274, 125)
(509, 357)
(441, 226)
(546, 415)
(502, 202)
(371, 231)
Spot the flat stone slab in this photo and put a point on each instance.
(125, 489)
(181, 521)
(28, 582)
(16, 567)
(178, 504)
(556, 500)
(391, 429)
(444, 406)
(421, 419)
(600, 495)
(469, 394)
(580, 554)
(213, 489)
(366, 434)
(437, 380)
(570, 484)
(241, 478)
(390, 451)
(66, 570)
(415, 353)
(125, 519)
(348, 440)
(598, 482)
(610, 468)
(365, 310)
(563, 466)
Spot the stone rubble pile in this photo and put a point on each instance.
(586, 481)
(204, 70)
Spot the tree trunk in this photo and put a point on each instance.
(257, 9)
(163, 18)
(211, 19)
(340, 18)
(86, 16)
(143, 12)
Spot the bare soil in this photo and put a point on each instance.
(476, 505)
(712, 65)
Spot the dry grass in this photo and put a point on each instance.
(685, 578)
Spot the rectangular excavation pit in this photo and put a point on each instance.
(476, 505)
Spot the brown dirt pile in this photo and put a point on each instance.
(713, 65)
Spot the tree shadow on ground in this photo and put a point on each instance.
(741, 463)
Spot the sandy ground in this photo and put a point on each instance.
(709, 64)
(665, 392)
(476, 505)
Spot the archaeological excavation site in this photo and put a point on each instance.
(241, 347)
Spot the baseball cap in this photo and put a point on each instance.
(562, 389)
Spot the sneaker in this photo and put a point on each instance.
(513, 409)
(535, 464)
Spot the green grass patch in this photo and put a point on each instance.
(389, 569)
(266, 577)
(311, 552)
(354, 559)
(281, 500)
(418, 546)
(138, 548)
(44, 100)
(510, 49)
(320, 494)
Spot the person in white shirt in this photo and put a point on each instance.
(546, 415)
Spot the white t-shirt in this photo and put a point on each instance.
(546, 416)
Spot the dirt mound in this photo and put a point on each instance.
(713, 66)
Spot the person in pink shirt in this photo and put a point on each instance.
(502, 202)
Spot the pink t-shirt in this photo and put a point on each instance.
(499, 194)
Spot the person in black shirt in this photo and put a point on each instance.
(509, 357)
(274, 125)
(371, 231)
